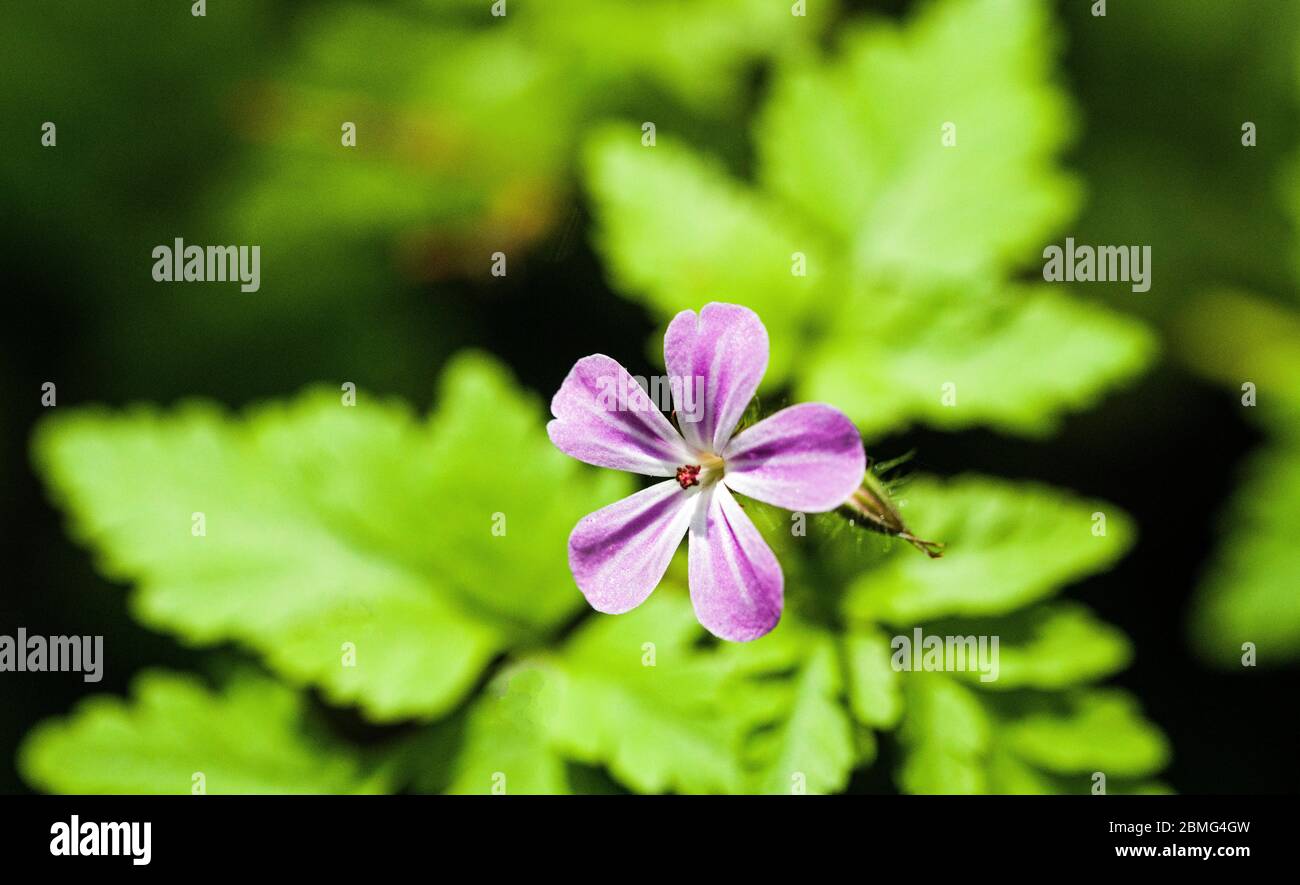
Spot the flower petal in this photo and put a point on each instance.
(736, 583)
(807, 457)
(603, 417)
(620, 553)
(726, 346)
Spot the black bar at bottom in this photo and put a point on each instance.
(334, 833)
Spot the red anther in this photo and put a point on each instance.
(688, 475)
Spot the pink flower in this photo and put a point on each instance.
(808, 457)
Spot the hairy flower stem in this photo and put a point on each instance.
(870, 506)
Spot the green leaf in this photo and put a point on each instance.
(505, 748)
(857, 143)
(1008, 774)
(664, 707)
(329, 525)
(1047, 647)
(678, 232)
(1008, 544)
(904, 243)
(875, 695)
(1249, 591)
(701, 50)
(1090, 731)
(958, 740)
(490, 455)
(946, 733)
(248, 738)
(811, 749)
(636, 694)
(1234, 338)
(1013, 359)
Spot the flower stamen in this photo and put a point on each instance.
(688, 475)
(709, 470)
(711, 462)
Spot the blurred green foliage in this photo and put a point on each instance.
(470, 120)
(1247, 606)
(874, 248)
(1248, 594)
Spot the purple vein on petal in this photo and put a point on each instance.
(806, 457)
(619, 554)
(727, 345)
(736, 582)
(633, 436)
